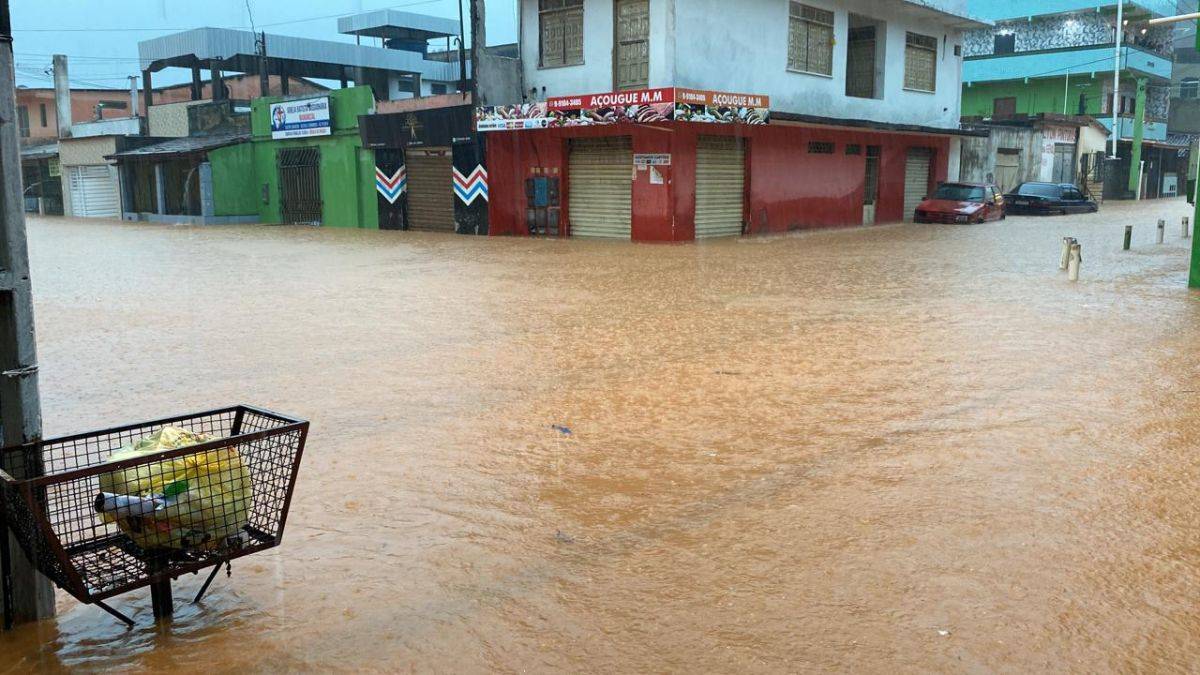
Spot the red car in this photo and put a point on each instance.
(961, 203)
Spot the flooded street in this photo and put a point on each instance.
(894, 449)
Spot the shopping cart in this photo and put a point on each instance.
(52, 498)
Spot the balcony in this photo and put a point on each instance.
(1056, 63)
(1151, 130)
(1017, 9)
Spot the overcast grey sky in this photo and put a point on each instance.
(100, 36)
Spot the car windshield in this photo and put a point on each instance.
(959, 193)
(1039, 190)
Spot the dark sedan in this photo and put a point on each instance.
(1048, 198)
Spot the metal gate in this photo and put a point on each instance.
(720, 186)
(430, 189)
(916, 179)
(600, 186)
(93, 192)
(300, 185)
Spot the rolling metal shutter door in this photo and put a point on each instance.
(916, 179)
(430, 190)
(720, 186)
(94, 192)
(601, 187)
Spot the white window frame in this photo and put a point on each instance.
(908, 45)
(796, 14)
(560, 11)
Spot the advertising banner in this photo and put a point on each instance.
(301, 118)
(645, 106)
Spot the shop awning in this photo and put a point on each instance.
(179, 147)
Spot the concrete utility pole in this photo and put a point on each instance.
(1139, 121)
(30, 596)
(478, 42)
(1116, 127)
(62, 95)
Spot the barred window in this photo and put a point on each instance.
(853, 149)
(820, 148)
(920, 62)
(810, 39)
(561, 25)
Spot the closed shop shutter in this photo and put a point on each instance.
(601, 187)
(916, 179)
(93, 192)
(430, 190)
(720, 186)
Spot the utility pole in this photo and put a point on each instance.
(27, 596)
(1139, 122)
(264, 78)
(478, 42)
(1116, 127)
(462, 49)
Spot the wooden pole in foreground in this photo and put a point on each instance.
(20, 411)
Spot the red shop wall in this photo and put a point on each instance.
(514, 156)
(788, 187)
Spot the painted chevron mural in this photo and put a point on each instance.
(471, 187)
(391, 187)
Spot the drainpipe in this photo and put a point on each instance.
(62, 96)
(1139, 116)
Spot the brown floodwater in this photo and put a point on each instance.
(903, 448)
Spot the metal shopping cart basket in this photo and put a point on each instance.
(216, 500)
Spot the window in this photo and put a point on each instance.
(42, 112)
(23, 120)
(958, 192)
(561, 25)
(820, 148)
(437, 89)
(853, 149)
(1005, 43)
(1189, 88)
(810, 40)
(1047, 190)
(1004, 107)
(920, 62)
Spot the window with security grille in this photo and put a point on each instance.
(820, 148)
(920, 62)
(810, 40)
(561, 26)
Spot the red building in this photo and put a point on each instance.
(677, 165)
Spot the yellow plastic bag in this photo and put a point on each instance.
(196, 501)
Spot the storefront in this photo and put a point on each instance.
(429, 170)
(680, 164)
(41, 179)
(307, 160)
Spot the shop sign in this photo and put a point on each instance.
(645, 106)
(301, 118)
(652, 159)
(54, 167)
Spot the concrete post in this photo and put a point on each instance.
(1162, 230)
(133, 97)
(147, 90)
(160, 190)
(1075, 261)
(1128, 237)
(1184, 231)
(1066, 252)
(197, 84)
(1139, 120)
(218, 83)
(62, 96)
(30, 596)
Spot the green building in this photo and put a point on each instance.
(326, 179)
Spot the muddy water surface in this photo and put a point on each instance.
(889, 449)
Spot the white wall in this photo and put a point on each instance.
(596, 75)
(746, 51)
(742, 47)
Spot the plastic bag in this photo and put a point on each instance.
(197, 501)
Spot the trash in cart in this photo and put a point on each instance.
(108, 512)
(200, 500)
